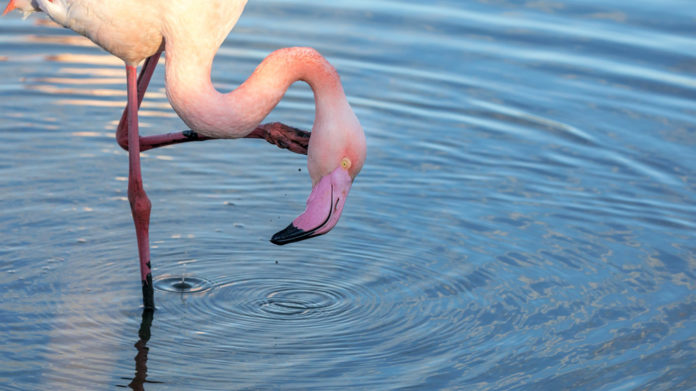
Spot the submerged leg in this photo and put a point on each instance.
(140, 204)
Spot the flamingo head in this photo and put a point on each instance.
(335, 156)
(26, 6)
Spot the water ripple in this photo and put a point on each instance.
(525, 218)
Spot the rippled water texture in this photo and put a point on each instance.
(525, 219)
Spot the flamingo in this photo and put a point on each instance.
(190, 32)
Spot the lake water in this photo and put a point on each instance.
(525, 220)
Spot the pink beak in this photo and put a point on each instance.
(324, 207)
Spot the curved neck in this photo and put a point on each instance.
(237, 113)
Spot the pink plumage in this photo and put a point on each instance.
(190, 33)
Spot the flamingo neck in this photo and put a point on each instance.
(235, 114)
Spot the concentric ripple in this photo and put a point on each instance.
(524, 219)
(263, 300)
(182, 284)
(290, 301)
(323, 306)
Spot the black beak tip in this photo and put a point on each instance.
(289, 234)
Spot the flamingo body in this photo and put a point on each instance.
(133, 30)
(190, 33)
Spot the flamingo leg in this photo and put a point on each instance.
(283, 136)
(276, 133)
(143, 80)
(140, 204)
(279, 134)
(127, 135)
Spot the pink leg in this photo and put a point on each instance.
(143, 81)
(276, 133)
(281, 135)
(128, 138)
(140, 204)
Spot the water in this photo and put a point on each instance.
(525, 219)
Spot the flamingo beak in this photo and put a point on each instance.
(324, 207)
(10, 7)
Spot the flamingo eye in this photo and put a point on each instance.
(345, 163)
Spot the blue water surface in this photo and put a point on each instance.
(525, 220)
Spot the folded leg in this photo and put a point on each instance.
(127, 136)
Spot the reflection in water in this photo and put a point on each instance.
(89, 59)
(71, 40)
(140, 378)
(525, 221)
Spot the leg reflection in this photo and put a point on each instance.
(141, 358)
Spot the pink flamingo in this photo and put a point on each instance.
(190, 34)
